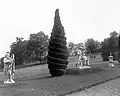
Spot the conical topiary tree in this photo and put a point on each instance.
(119, 48)
(57, 53)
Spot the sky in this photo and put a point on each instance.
(81, 19)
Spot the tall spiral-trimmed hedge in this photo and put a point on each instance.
(119, 48)
(57, 53)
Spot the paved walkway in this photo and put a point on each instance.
(111, 88)
(36, 81)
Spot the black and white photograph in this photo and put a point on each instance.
(60, 48)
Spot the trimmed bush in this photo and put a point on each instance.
(57, 58)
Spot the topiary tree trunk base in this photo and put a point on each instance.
(55, 73)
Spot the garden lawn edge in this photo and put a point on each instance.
(90, 85)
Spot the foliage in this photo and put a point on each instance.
(71, 47)
(37, 46)
(58, 53)
(80, 46)
(92, 45)
(19, 49)
(30, 50)
(110, 45)
(119, 48)
(1, 62)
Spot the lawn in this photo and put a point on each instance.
(36, 80)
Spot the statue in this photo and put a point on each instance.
(13, 66)
(111, 63)
(8, 63)
(83, 60)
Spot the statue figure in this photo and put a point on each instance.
(83, 60)
(13, 66)
(8, 61)
(111, 63)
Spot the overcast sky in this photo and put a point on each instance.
(81, 19)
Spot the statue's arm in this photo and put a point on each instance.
(7, 60)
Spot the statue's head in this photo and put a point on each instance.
(7, 54)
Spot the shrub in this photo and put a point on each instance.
(58, 52)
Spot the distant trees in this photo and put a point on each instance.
(110, 44)
(1, 63)
(30, 50)
(119, 48)
(37, 46)
(70, 47)
(80, 46)
(19, 49)
(92, 45)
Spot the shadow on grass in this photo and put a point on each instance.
(21, 82)
(13, 86)
(34, 78)
(82, 72)
(72, 71)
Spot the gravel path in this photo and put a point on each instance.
(111, 88)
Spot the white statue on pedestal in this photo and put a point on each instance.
(111, 63)
(8, 61)
(83, 60)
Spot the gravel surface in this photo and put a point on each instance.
(111, 88)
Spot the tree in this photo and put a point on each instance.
(81, 46)
(71, 46)
(37, 46)
(98, 46)
(18, 48)
(2, 62)
(113, 34)
(58, 53)
(92, 45)
(119, 48)
(113, 41)
(110, 44)
(105, 49)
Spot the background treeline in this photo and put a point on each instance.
(31, 50)
(36, 48)
(90, 45)
(108, 45)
